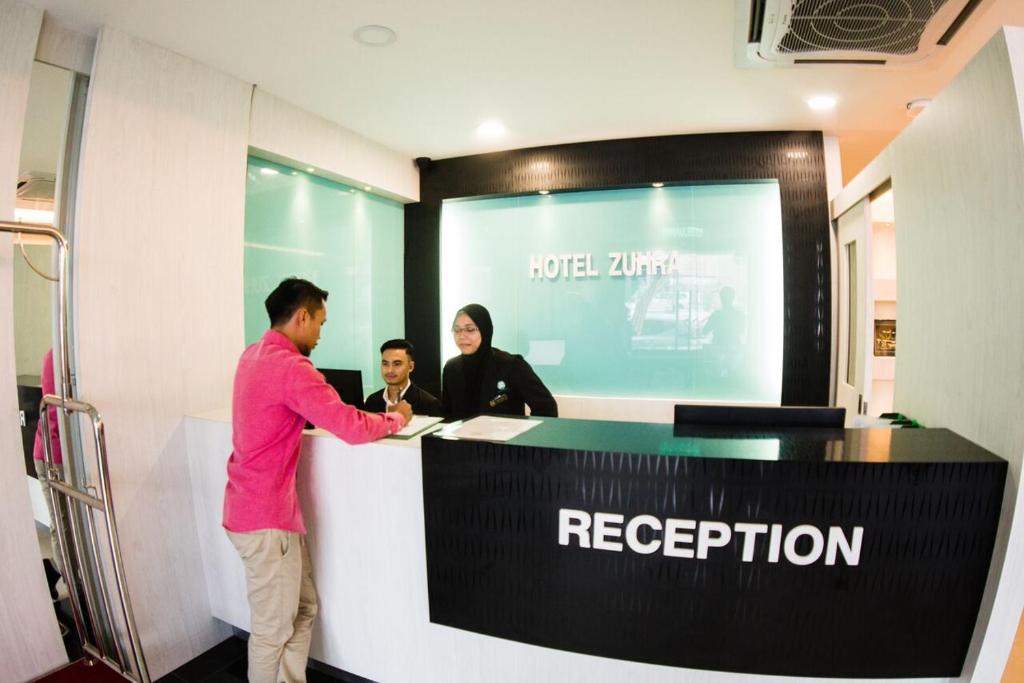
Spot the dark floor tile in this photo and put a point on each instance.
(171, 678)
(224, 677)
(213, 661)
(227, 663)
(318, 672)
(239, 669)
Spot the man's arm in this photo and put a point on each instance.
(309, 395)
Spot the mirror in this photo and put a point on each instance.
(44, 154)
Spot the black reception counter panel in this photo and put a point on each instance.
(846, 553)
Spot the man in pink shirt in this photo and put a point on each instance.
(276, 390)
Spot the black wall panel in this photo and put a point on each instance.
(796, 159)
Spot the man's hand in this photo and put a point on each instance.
(402, 408)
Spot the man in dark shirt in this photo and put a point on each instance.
(396, 363)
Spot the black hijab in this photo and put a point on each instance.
(473, 364)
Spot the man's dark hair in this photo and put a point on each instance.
(289, 296)
(404, 344)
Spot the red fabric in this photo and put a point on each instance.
(49, 387)
(78, 672)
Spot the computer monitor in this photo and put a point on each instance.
(348, 384)
(758, 417)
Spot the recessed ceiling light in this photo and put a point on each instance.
(373, 35)
(657, 184)
(544, 192)
(268, 171)
(33, 216)
(821, 102)
(310, 169)
(491, 129)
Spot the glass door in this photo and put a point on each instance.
(853, 377)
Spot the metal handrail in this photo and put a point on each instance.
(43, 230)
(103, 503)
(61, 492)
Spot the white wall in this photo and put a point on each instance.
(159, 289)
(282, 132)
(65, 48)
(158, 257)
(957, 175)
(833, 166)
(30, 642)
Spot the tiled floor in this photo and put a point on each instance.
(226, 663)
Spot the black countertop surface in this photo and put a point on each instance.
(789, 444)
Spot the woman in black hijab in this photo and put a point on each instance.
(488, 380)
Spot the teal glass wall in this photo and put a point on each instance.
(672, 292)
(345, 240)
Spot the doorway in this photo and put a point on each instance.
(866, 359)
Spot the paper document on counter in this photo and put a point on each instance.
(417, 424)
(491, 428)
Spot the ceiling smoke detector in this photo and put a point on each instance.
(916, 106)
(373, 35)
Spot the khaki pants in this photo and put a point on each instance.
(282, 603)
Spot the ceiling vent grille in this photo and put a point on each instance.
(875, 32)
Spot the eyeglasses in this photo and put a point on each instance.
(468, 329)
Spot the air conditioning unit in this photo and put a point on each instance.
(865, 32)
(36, 186)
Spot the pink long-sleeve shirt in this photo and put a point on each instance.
(49, 387)
(276, 390)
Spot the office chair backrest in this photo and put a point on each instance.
(759, 417)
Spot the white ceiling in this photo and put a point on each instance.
(554, 71)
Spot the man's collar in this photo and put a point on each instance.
(277, 338)
(401, 394)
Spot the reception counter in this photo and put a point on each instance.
(597, 551)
